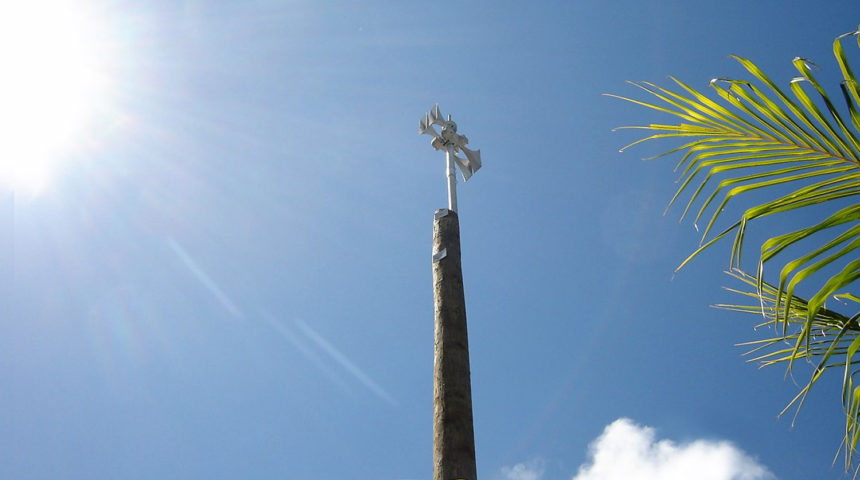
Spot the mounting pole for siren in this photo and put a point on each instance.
(451, 142)
(452, 178)
(453, 429)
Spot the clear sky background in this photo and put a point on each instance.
(226, 273)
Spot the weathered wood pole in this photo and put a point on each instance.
(453, 433)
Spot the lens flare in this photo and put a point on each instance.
(53, 82)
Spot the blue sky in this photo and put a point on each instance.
(227, 273)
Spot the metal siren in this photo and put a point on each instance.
(470, 164)
(474, 157)
(436, 117)
(425, 126)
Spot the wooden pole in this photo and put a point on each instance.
(453, 432)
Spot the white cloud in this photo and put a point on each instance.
(532, 470)
(626, 451)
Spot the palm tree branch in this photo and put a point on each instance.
(796, 150)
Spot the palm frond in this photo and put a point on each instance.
(783, 151)
(831, 344)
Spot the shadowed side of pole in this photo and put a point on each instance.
(453, 434)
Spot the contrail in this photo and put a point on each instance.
(285, 332)
(307, 352)
(345, 362)
(204, 278)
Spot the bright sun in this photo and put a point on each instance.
(53, 82)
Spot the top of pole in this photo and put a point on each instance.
(451, 142)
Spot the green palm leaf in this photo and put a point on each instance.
(832, 345)
(781, 151)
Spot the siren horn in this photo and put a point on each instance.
(424, 126)
(467, 166)
(474, 157)
(436, 117)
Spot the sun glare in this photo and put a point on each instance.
(53, 82)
